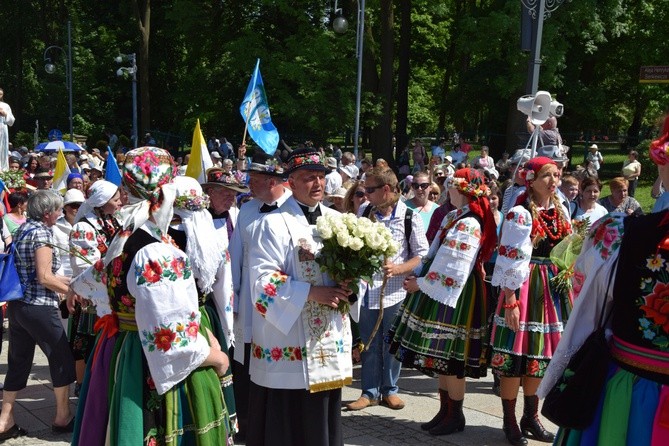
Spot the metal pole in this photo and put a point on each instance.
(536, 62)
(134, 100)
(359, 49)
(69, 74)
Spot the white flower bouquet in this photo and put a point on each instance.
(353, 249)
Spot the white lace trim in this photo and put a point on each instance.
(535, 327)
(512, 278)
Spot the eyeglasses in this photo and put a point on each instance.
(371, 189)
(360, 193)
(422, 186)
(434, 194)
(74, 205)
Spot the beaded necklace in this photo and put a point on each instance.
(548, 225)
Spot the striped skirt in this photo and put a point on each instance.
(543, 314)
(440, 340)
(119, 405)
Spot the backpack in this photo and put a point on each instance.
(407, 223)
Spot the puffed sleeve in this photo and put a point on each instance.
(84, 242)
(512, 267)
(277, 296)
(453, 262)
(593, 271)
(167, 315)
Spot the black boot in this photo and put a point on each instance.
(511, 429)
(530, 424)
(443, 411)
(454, 421)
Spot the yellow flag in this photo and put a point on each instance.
(61, 173)
(200, 160)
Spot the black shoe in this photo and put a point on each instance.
(69, 427)
(13, 432)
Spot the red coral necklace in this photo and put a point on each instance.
(548, 225)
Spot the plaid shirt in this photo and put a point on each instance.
(39, 236)
(416, 246)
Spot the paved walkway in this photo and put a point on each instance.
(374, 426)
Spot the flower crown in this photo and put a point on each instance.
(192, 201)
(472, 189)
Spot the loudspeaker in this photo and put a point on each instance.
(536, 107)
(557, 109)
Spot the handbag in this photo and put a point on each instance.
(11, 287)
(573, 400)
(10, 283)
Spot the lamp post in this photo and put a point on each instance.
(340, 25)
(538, 10)
(132, 70)
(50, 68)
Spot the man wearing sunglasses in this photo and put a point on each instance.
(380, 369)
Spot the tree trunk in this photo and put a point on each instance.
(143, 17)
(403, 72)
(448, 70)
(381, 135)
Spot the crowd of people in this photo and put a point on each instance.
(188, 313)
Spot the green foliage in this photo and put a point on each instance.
(466, 68)
(24, 139)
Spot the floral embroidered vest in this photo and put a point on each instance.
(641, 291)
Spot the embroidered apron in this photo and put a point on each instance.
(327, 332)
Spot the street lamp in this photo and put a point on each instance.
(50, 68)
(340, 25)
(132, 70)
(537, 9)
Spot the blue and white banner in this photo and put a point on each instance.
(255, 111)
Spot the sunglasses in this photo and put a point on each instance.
(371, 189)
(436, 194)
(422, 186)
(74, 205)
(359, 193)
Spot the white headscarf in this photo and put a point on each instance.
(99, 194)
(205, 247)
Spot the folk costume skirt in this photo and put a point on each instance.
(119, 405)
(543, 313)
(441, 340)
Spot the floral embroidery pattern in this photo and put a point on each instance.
(275, 354)
(433, 277)
(654, 303)
(504, 362)
(170, 268)
(606, 235)
(164, 337)
(511, 252)
(519, 218)
(269, 291)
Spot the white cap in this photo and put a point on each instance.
(73, 196)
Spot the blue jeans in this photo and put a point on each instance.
(380, 369)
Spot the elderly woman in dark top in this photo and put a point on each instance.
(619, 200)
(35, 319)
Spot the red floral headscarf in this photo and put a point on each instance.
(660, 147)
(471, 183)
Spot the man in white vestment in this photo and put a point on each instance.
(266, 183)
(301, 347)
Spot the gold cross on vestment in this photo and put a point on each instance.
(322, 356)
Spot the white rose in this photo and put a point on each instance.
(356, 244)
(323, 227)
(343, 239)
